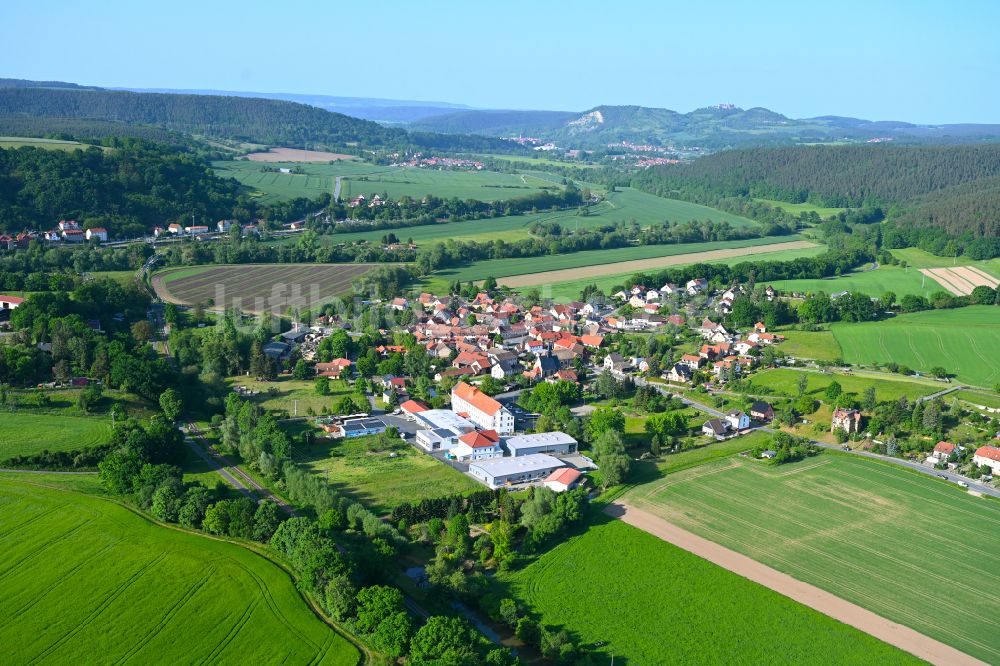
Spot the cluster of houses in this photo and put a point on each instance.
(200, 230)
(361, 200)
(67, 231)
(442, 162)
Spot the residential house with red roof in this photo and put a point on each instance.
(483, 410)
(477, 445)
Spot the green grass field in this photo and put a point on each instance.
(568, 290)
(910, 548)
(964, 341)
(901, 281)
(88, 581)
(795, 209)
(368, 179)
(991, 400)
(622, 206)
(46, 144)
(818, 345)
(26, 433)
(917, 258)
(653, 603)
(288, 395)
(382, 477)
(782, 381)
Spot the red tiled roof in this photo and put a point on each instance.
(413, 407)
(476, 398)
(481, 439)
(13, 300)
(944, 447)
(991, 452)
(566, 476)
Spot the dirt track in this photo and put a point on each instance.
(892, 633)
(638, 265)
(296, 155)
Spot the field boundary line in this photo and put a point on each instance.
(905, 638)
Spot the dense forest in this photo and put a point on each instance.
(945, 199)
(127, 190)
(249, 119)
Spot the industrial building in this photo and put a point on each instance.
(553, 443)
(504, 472)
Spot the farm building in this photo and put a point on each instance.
(441, 429)
(553, 443)
(477, 445)
(562, 480)
(10, 302)
(500, 472)
(361, 427)
(989, 456)
(483, 410)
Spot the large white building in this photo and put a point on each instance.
(481, 409)
(553, 443)
(441, 429)
(501, 472)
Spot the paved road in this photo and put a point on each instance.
(923, 469)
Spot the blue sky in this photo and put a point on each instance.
(905, 60)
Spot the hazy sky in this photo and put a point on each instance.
(904, 60)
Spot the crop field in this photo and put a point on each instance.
(864, 531)
(783, 381)
(642, 596)
(25, 433)
(874, 283)
(258, 287)
(570, 289)
(961, 280)
(822, 211)
(818, 345)
(86, 581)
(963, 341)
(382, 476)
(45, 144)
(595, 263)
(296, 155)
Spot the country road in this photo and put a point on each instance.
(336, 188)
(909, 640)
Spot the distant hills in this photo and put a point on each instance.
(232, 117)
(713, 128)
(335, 122)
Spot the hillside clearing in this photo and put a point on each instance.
(297, 155)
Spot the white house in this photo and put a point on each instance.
(477, 445)
(715, 428)
(989, 456)
(100, 233)
(10, 302)
(482, 410)
(440, 429)
(738, 420)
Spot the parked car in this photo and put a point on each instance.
(941, 476)
(963, 484)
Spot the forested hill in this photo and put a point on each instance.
(127, 190)
(254, 120)
(932, 193)
(250, 119)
